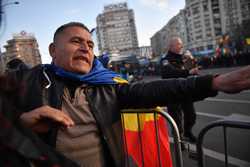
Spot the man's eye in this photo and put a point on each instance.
(76, 41)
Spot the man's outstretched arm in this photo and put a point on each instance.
(161, 92)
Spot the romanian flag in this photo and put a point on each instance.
(146, 139)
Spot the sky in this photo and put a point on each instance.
(43, 17)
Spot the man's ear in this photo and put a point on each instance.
(52, 50)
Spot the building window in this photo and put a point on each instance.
(198, 31)
(210, 47)
(216, 21)
(205, 8)
(198, 37)
(201, 48)
(196, 26)
(217, 31)
(197, 17)
(195, 10)
(216, 10)
(207, 24)
(209, 35)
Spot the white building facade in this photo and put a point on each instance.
(116, 30)
(22, 46)
(202, 23)
(176, 27)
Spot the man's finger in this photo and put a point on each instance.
(58, 117)
(55, 113)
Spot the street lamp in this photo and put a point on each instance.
(7, 4)
(2, 6)
(10, 3)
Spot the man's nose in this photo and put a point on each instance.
(84, 46)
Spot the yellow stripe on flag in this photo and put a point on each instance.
(120, 80)
(131, 120)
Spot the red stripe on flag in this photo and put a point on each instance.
(143, 146)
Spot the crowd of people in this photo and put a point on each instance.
(67, 113)
(225, 60)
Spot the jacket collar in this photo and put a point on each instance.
(174, 56)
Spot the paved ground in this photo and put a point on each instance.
(220, 107)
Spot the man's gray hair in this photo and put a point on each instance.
(172, 41)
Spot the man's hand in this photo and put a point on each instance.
(40, 119)
(233, 82)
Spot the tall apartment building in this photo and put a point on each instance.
(245, 10)
(205, 24)
(202, 23)
(237, 17)
(157, 42)
(176, 27)
(23, 46)
(116, 31)
(209, 20)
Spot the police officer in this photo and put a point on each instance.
(172, 66)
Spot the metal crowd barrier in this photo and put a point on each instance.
(174, 129)
(229, 122)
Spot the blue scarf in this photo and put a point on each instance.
(97, 75)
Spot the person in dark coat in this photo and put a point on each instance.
(19, 146)
(16, 64)
(172, 66)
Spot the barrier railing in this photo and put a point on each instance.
(224, 123)
(156, 113)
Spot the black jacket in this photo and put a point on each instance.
(172, 66)
(106, 101)
(19, 146)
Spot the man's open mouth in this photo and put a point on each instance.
(81, 58)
